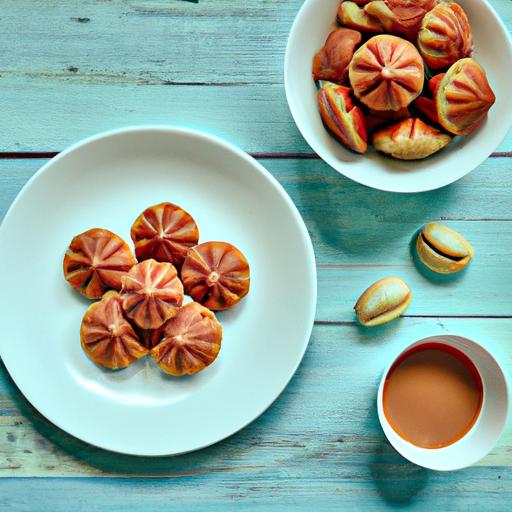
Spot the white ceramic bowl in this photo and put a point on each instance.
(493, 50)
(482, 437)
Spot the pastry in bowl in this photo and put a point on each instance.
(411, 139)
(332, 60)
(464, 97)
(344, 120)
(386, 73)
(445, 36)
(400, 17)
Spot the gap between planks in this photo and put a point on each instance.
(20, 155)
(465, 317)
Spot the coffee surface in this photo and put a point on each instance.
(432, 395)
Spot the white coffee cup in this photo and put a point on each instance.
(482, 436)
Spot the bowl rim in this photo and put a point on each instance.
(326, 155)
(444, 338)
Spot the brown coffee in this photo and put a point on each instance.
(432, 395)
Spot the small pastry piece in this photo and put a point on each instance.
(188, 342)
(386, 73)
(382, 302)
(411, 139)
(216, 274)
(151, 293)
(445, 36)
(95, 262)
(331, 62)
(442, 249)
(164, 232)
(400, 17)
(464, 97)
(107, 337)
(352, 16)
(342, 117)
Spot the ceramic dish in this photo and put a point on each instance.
(482, 436)
(493, 50)
(106, 181)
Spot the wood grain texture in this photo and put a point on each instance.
(402, 488)
(320, 445)
(361, 235)
(337, 380)
(320, 193)
(155, 42)
(75, 68)
(253, 117)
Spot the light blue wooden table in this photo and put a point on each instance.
(71, 69)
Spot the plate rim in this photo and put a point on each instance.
(202, 136)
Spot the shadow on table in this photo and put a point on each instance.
(378, 335)
(355, 220)
(397, 480)
(428, 274)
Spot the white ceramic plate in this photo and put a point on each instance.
(493, 50)
(106, 181)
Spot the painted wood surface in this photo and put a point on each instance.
(326, 414)
(361, 235)
(71, 69)
(319, 445)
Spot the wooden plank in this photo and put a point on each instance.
(152, 42)
(92, 65)
(147, 42)
(254, 117)
(280, 492)
(351, 225)
(71, 78)
(13, 175)
(319, 193)
(322, 434)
